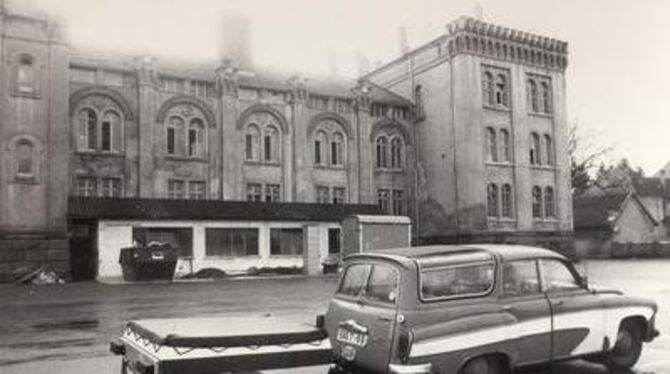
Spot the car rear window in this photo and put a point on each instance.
(461, 279)
(374, 282)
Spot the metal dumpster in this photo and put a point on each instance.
(151, 262)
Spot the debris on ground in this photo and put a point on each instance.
(24, 275)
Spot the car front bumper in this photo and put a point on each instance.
(410, 369)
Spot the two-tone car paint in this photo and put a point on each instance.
(412, 334)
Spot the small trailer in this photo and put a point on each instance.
(219, 345)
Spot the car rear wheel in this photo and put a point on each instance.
(484, 365)
(627, 347)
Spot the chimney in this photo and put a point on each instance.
(236, 42)
(402, 40)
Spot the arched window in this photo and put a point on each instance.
(492, 200)
(88, 130)
(501, 90)
(548, 150)
(25, 159)
(506, 201)
(491, 145)
(549, 211)
(488, 88)
(532, 96)
(25, 74)
(270, 144)
(534, 149)
(251, 141)
(418, 100)
(396, 153)
(337, 149)
(546, 97)
(110, 132)
(173, 131)
(382, 144)
(320, 141)
(196, 138)
(505, 146)
(537, 202)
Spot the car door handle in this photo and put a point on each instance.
(382, 318)
(557, 303)
(507, 308)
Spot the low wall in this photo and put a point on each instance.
(640, 250)
(31, 253)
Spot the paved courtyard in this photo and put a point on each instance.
(66, 328)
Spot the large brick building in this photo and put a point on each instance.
(465, 135)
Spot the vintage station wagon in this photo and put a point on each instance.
(478, 309)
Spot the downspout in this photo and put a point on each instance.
(455, 167)
(417, 149)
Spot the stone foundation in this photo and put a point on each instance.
(52, 254)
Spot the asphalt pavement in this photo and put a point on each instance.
(66, 328)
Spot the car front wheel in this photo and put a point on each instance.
(627, 347)
(484, 365)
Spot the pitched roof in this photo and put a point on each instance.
(165, 209)
(646, 186)
(597, 211)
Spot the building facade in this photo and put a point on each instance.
(459, 135)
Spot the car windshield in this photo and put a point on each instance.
(457, 280)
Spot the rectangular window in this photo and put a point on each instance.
(398, 202)
(113, 78)
(334, 241)
(383, 201)
(173, 85)
(196, 190)
(178, 237)
(231, 242)
(106, 143)
(82, 75)
(267, 148)
(87, 186)
(317, 152)
(322, 195)
(171, 141)
(254, 192)
(175, 189)
(286, 242)
(271, 192)
(339, 195)
(111, 187)
(249, 146)
(192, 142)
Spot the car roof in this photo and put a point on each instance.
(505, 251)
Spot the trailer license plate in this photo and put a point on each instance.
(351, 337)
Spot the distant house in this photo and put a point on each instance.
(612, 216)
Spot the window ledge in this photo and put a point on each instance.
(286, 256)
(230, 257)
(541, 114)
(543, 167)
(389, 170)
(507, 164)
(498, 108)
(262, 163)
(186, 158)
(94, 152)
(25, 94)
(25, 179)
(329, 167)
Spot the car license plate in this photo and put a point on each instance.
(355, 338)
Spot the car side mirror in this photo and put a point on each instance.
(583, 276)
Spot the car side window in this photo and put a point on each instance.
(520, 278)
(556, 276)
(354, 280)
(383, 284)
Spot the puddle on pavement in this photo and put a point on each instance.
(86, 324)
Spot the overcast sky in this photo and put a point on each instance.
(618, 78)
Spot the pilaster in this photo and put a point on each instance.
(147, 144)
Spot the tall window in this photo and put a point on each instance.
(398, 197)
(336, 149)
(382, 144)
(549, 211)
(418, 101)
(537, 202)
(532, 96)
(110, 132)
(174, 127)
(320, 142)
(25, 159)
(492, 200)
(254, 192)
(25, 75)
(322, 194)
(548, 150)
(87, 186)
(488, 88)
(88, 129)
(196, 190)
(175, 189)
(111, 187)
(506, 201)
(252, 143)
(546, 97)
(505, 146)
(196, 138)
(396, 153)
(383, 200)
(491, 145)
(270, 144)
(501, 90)
(271, 192)
(534, 149)
(339, 195)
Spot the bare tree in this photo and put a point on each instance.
(585, 156)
